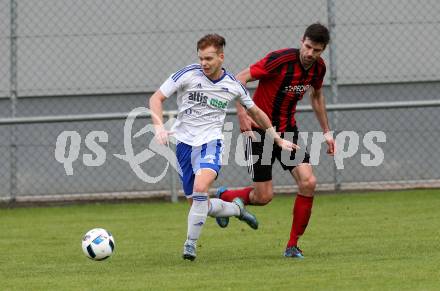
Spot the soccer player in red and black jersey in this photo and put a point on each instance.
(284, 76)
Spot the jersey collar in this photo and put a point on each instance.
(219, 79)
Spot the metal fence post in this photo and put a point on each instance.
(173, 174)
(331, 12)
(13, 98)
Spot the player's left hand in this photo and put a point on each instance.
(286, 145)
(331, 145)
(162, 136)
(246, 124)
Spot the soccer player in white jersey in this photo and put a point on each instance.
(203, 93)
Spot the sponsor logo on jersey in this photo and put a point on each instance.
(297, 89)
(198, 97)
(218, 103)
(202, 99)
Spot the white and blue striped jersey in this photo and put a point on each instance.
(202, 103)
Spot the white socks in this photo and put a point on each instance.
(220, 208)
(197, 216)
(199, 211)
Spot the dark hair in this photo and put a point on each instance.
(317, 33)
(214, 40)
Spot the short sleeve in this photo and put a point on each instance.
(244, 97)
(259, 70)
(169, 87)
(270, 64)
(177, 80)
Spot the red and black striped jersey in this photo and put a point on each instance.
(282, 83)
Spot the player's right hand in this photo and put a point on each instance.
(246, 124)
(162, 136)
(287, 145)
(331, 145)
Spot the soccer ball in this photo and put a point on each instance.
(98, 244)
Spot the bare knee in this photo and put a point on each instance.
(307, 186)
(203, 180)
(262, 198)
(200, 188)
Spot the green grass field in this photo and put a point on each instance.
(364, 241)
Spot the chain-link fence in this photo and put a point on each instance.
(64, 65)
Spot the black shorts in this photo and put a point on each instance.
(261, 169)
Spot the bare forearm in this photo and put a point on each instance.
(318, 105)
(156, 110)
(240, 109)
(263, 121)
(321, 115)
(244, 76)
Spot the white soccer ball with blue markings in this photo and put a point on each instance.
(98, 244)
